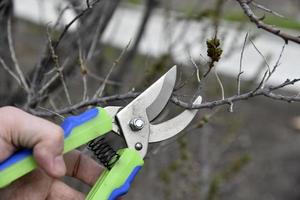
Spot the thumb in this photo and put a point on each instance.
(19, 129)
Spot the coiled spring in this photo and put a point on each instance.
(104, 152)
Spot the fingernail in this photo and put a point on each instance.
(59, 166)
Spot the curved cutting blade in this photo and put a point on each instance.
(159, 93)
(173, 126)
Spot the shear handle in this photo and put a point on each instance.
(78, 130)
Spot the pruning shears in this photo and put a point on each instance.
(132, 122)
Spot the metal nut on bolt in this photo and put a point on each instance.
(136, 124)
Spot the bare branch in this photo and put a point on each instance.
(282, 97)
(219, 82)
(67, 27)
(262, 82)
(259, 92)
(16, 77)
(58, 68)
(259, 6)
(53, 78)
(59, 18)
(52, 103)
(102, 100)
(52, 112)
(260, 24)
(88, 4)
(115, 63)
(267, 92)
(14, 58)
(42, 67)
(241, 65)
(83, 71)
(261, 54)
(47, 85)
(197, 69)
(277, 62)
(101, 79)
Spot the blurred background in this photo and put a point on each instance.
(73, 51)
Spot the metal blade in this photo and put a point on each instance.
(155, 98)
(173, 126)
(163, 91)
(146, 107)
(112, 111)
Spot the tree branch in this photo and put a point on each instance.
(267, 92)
(260, 24)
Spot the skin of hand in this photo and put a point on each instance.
(19, 129)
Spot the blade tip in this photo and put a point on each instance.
(198, 100)
(172, 74)
(174, 68)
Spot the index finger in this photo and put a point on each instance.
(19, 129)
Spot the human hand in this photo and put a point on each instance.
(19, 129)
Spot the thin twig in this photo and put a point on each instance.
(88, 4)
(47, 85)
(52, 112)
(197, 69)
(241, 65)
(82, 104)
(16, 77)
(277, 62)
(261, 84)
(261, 54)
(259, 6)
(40, 70)
(14, 58)
(59, 18)
(53, 78)
(219, 82)
(101, 79)
(115, 63)
(63, 33)
(83, 71)
(285, 83)
(58, 69)
(53, 105)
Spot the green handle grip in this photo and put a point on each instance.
(116, 182)
(78, 130)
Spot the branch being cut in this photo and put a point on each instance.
(267, 92)
(269, 28)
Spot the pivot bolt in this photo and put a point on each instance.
(138, 146)
(136, 124)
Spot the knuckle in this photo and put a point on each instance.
(8, 116)
(9, 109)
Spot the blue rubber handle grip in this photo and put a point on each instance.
(68, 125)
(119, 192)
(116, 182)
